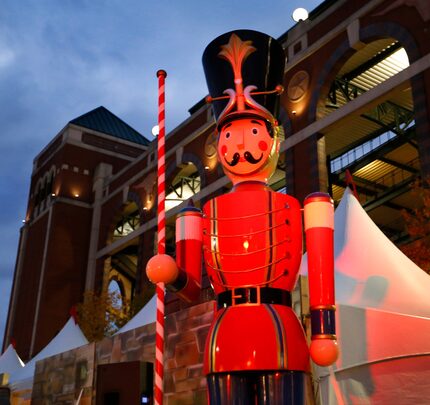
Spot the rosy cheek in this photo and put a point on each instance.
(262, 145)
(223, 149)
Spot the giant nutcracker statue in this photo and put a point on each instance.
(251, 240)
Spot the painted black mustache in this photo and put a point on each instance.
(248, 157)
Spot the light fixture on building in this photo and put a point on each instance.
(76, 195)
(207, 167)
(155, 130)
(300, 14)
(294, 112)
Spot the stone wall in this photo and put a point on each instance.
(63, 378)
(185, 336)
(134, 345)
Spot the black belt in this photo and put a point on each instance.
(253, 295)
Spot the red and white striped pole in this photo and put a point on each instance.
(159, 339)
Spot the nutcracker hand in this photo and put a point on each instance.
(324, 352)
(162, 268)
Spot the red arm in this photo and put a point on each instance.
(319, 229)
(189, 235)
(183, 276)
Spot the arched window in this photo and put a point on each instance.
(43, 191)
(373, 148)
(366, 69)
(123, 263)
(116, 291)
(37, 193)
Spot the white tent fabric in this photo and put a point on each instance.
(370, 270)
(145, 316)
(383, 318)
(70, 337)
(384, 359)
(10, 362)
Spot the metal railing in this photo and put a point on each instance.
(337, 164)
(384, 183)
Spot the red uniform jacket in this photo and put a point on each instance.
(252, 236)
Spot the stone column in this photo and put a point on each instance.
(102, 172)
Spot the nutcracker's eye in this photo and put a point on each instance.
(255, 131)
(225, 130)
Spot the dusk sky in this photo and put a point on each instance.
(62, 58)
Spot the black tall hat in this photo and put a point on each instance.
(244, 73)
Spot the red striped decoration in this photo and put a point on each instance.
(159, 337)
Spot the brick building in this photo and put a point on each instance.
(356, 107)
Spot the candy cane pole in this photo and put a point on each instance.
(159, 339)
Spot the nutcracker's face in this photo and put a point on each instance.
(246, 150)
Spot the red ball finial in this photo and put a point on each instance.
(161, 268)
(324, 352)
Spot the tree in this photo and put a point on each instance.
(93, 316)
(417, 225)
(101, 315)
